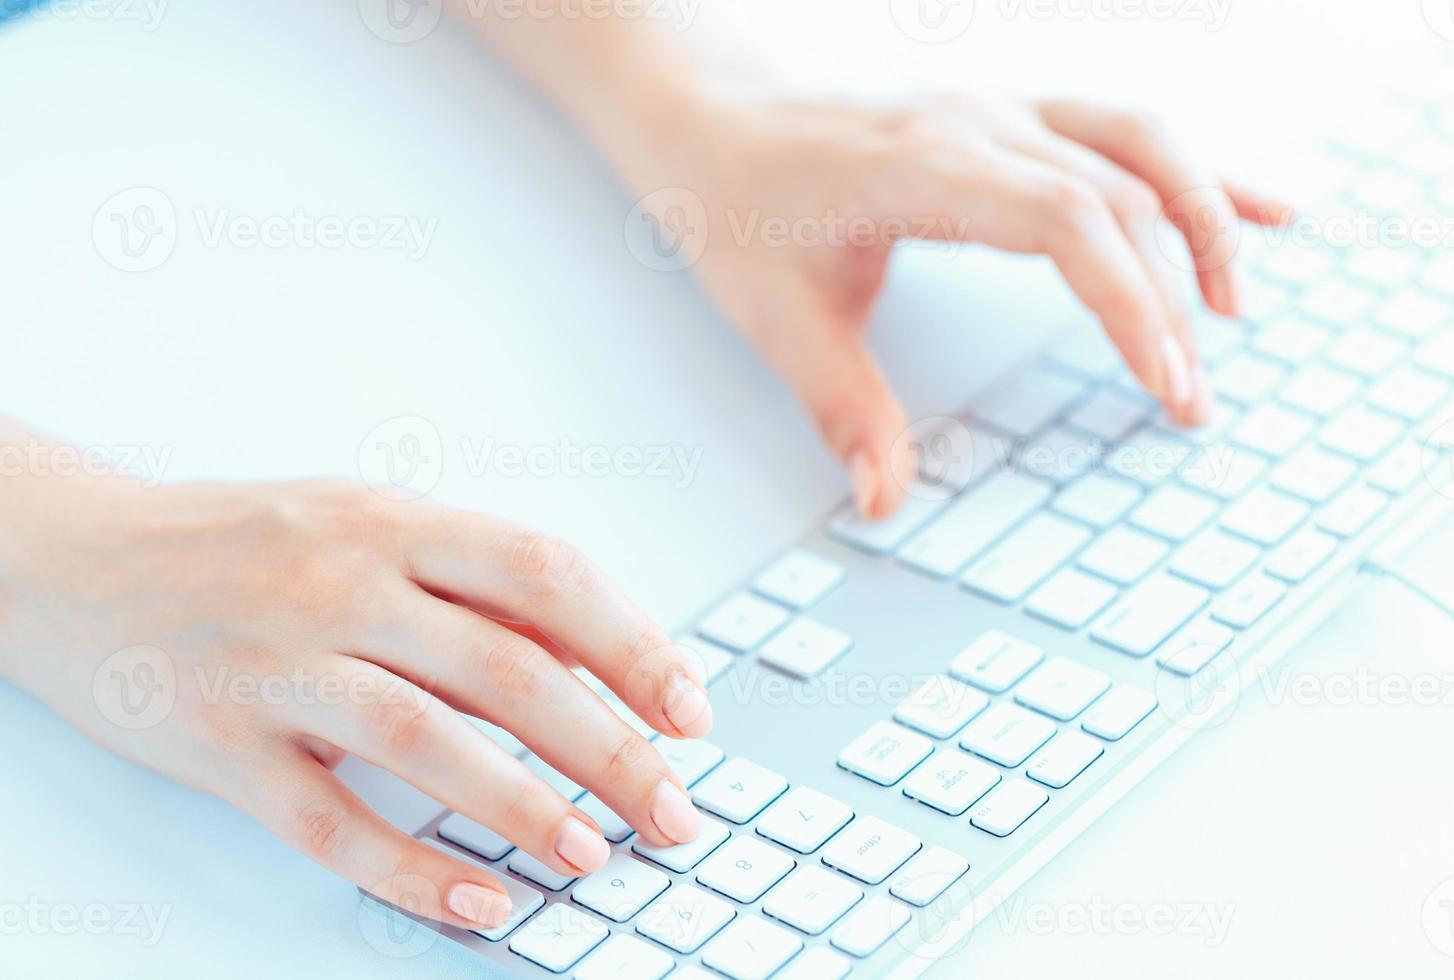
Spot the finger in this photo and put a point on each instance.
(1137, 209)
(513, 573)
(1013, 202)
(1258, 208)
(1193, 198)
(311, 810)
(400, 727)
(835, 377)
(482, 668)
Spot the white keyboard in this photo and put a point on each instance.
(1020, 630)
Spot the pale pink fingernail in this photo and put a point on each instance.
(479, 904)
(581, 846)
(674, 814)
(1175, 371)
(686, 706)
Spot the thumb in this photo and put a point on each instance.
(839, 383)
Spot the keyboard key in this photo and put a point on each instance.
(1110, 413)
(1122, 555)
(1059, 455)
(1118, 711)
(1006, 734)
(1412, 313)
(1173, 512)
(1148, 614)
(1214, 559)
(871, 925)
(528, 866)
(885, 752)
(742, 622)
(744, 868)
(1362, 434)
(927, 876)
(1352, 510)
(1437, 354)
(1097, 500)
(1296, 264)
(1217, 336)
(1271, 430)
(1061, 688)
(1367, 352)
(1246, 378)
(802, 819)
(1036, 398)
(684, 918)
(1248, 602)
(1264, 516)
(626, 958)
(870, 849)
(973, 522)
(1313, 474)
(950, 781)
(811, 899)
(1070, 599)
(1068, 755)
(620, 889)
(524, 900)
(1292, 340)
(1337, 300)
(805, 647)
(1223, 471)
(613, 828)
(940, 707)
(1194, 647)
(1301, 555)
(738, 790)
(1383, 267)
(1008, 806)
(1029, 553)
(1319, 391)
(461, 830)
(1149, 456)
(689, 758)
(799, 578)
(558, 937)
(711, 659)
(682, 858)
(884, 536)
(818, 963)
(995, 661)
(1397, 471)
(1408, 393)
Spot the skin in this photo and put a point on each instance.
(420, 612)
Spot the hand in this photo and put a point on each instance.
(1084, 184)
(294, 623)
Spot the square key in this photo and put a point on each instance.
(558, 937)
(802, 819)
(885, 752)
(940, 707)
(682, 858)
(798, 579)
(738, 790)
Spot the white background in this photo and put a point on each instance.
(1323, 828)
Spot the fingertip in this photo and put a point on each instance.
(865, 483)
(479, 904)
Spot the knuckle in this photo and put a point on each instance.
(400, 724)
(527, 805)
(319, 829)
(1070, 208)
(511, 667)
(1133, 199)
(631, 754)
(547, 564)
(1142, 129)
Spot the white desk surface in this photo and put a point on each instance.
(1322, 829)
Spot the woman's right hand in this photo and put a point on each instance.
(242, 638)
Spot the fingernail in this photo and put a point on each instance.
(479, 904)
(581, 846)
(673, 813)
(1175, 372)
(860, 471)
(686, 706)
